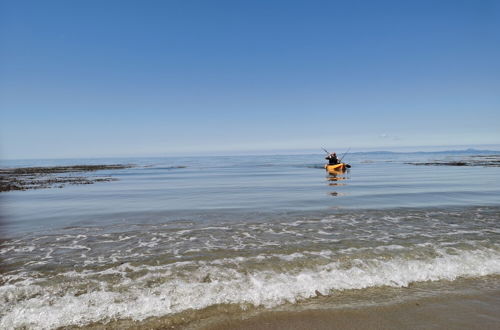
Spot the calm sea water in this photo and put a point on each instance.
(241, 233)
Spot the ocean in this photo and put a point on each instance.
(187, 242)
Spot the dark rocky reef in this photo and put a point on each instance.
(24, 178)
(479, 160)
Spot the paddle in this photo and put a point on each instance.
(345, 153)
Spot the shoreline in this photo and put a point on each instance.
(460, 312)
(472, 305)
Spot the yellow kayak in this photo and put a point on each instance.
(336, 168)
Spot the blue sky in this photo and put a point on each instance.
(123, 78)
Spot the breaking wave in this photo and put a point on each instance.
(141, 291)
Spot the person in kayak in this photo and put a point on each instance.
(332, 159)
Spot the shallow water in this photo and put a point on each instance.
(244, 232)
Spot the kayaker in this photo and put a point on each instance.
(332, 159)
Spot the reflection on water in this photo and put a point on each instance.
(336, 184)
(333, 178)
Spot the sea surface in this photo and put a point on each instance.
(185, 239)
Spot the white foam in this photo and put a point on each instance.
(150, 244)
(216, 228)
(322, 232)
(30, 305)
(74, 247)
(29, 248)
(124, 237)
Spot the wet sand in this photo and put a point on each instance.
(461, 312)
(475, 307)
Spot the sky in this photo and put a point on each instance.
(143, 78)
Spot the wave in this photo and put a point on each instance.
(141, 291)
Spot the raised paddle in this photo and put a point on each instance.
(345, 153)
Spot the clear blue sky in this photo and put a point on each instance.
(108, 78)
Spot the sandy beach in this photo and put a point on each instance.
(460, 312)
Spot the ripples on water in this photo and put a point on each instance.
(257, 233)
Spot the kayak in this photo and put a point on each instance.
(336, 168)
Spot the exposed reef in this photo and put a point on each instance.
(480, 160)
(24, 178)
